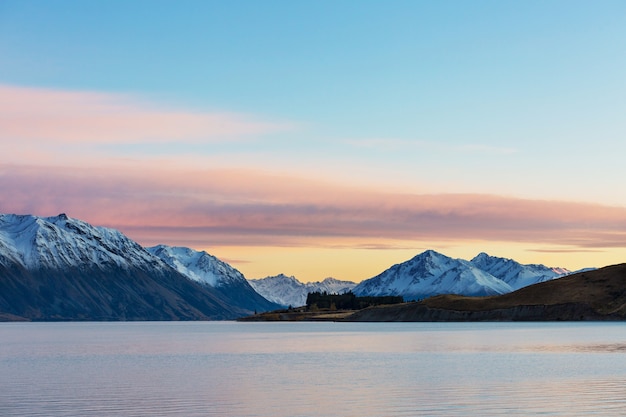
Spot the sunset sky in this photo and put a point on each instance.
(323, 138)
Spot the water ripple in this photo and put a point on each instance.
(59, 371)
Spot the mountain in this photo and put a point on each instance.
(598, 294)
(214, 273)
(59, 268)
(514, 273)
(288, 291)
(431, 273)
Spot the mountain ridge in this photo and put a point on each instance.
(288, 291)
(210, 271)
(514, 273)
(59, 268)
(430, 273)
(598, 294)
(100, 264)
(426, 274)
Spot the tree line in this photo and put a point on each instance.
(347, 301)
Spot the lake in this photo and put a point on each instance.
(312, 369)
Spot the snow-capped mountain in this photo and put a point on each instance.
(427, 274)
(59, 268)
(514, 273)
(209, 270)
(60, 242)
(431, 273)
(331, 286)
(198, 265)
(288, 291)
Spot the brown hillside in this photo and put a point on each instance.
(592, 295)
(603, 289)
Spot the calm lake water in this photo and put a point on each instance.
(312, 369)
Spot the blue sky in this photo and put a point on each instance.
(520, 100)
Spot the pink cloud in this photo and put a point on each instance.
(233, 207)
(57, 116)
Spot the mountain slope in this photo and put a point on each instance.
(58, 268)
(431, 273)
(288, 291)
(210, 271)
(514, 273)
(591, 295)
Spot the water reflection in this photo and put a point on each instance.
(311, 369)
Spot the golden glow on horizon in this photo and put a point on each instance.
(356, 264)
(268, 224)
(289, 176)
(269, 212)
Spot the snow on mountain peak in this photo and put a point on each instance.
(198, 265)
(288, 291)
(515, 274)
(58, 242)
(481, 257)
(431, 273)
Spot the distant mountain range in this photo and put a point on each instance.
(427, 274)
(59, 268)
(516, 274)
(431, 273)
(288, 291)
(598, 294)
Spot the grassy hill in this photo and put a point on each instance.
(592, 295)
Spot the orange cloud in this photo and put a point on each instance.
(235, 207)
(57, 116)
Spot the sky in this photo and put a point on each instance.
(322, 138)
